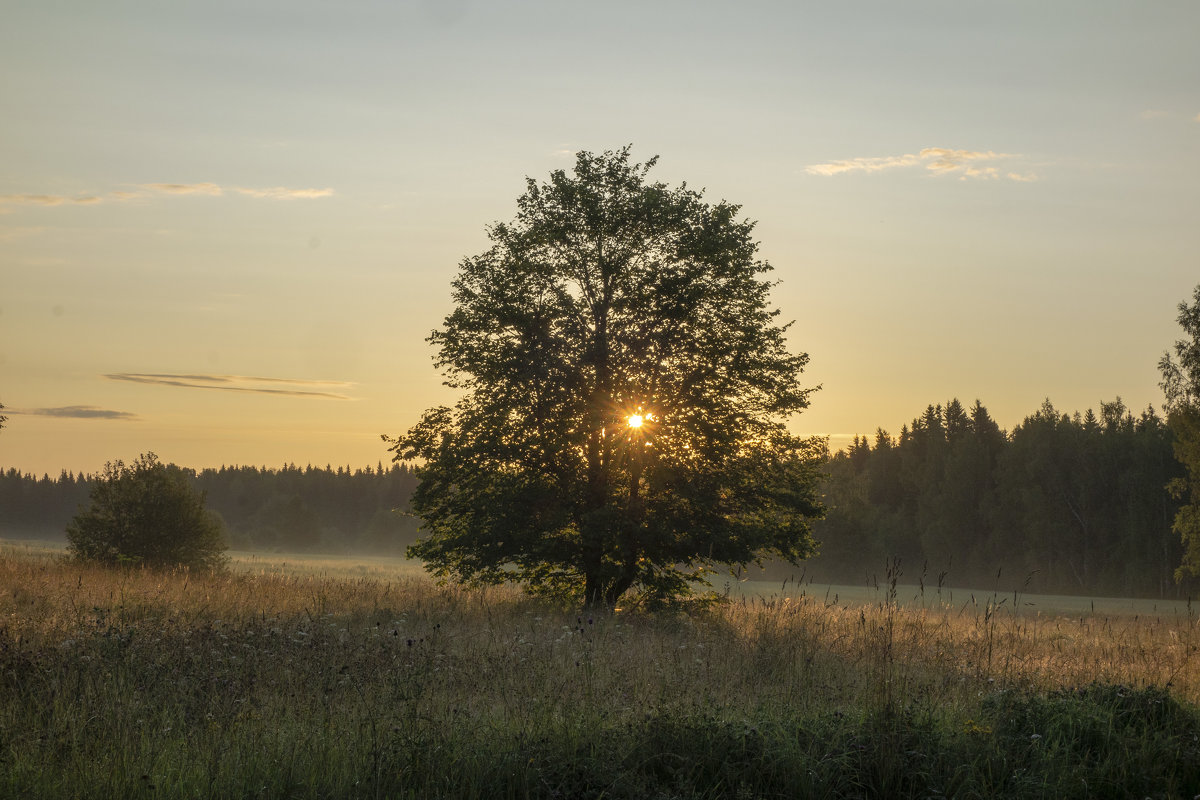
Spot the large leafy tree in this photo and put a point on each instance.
(1181, 385)
(627, 388)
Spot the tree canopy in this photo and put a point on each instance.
(1181, 385)
(627, 388)
(146, 513)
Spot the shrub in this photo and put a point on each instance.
(147, 513)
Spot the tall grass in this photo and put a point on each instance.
(270, 683)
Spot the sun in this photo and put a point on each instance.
(639, 419)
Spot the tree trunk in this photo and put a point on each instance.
(617, 588)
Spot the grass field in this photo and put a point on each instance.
(316, 677)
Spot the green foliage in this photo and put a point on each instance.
(1181, 385)
(146, 513)
(1077, 500)
(1181, 369)
(609, 296)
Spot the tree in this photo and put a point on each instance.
(146, 513)
(627, 392)
(1181, 385)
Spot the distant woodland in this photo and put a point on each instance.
(1075, 502)
(291, 509)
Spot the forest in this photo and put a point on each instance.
(1072, 503)
(290, 509)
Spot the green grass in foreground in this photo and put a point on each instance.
(266, 683)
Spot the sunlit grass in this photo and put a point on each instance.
(313, 680)
(380, 568)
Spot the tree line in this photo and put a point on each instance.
(1079, 502)
(292, 509)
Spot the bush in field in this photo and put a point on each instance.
(146, 513)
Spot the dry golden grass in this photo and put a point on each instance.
(797, 642)
(315, 678)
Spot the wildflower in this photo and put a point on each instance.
(973, 727)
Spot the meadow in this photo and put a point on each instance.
(337, 678)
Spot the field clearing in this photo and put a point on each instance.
(947, 598)
(295, 676)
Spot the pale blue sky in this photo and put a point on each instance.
(981, 200)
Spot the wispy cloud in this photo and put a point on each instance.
(74, 412)
(284, 193)
(147, 190)
(214, 190)
(862, 165)
(290, 387)
(210, 189)
(965, 164)
(48, 200)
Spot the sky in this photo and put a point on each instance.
(227, 228)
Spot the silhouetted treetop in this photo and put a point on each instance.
(609, 296)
